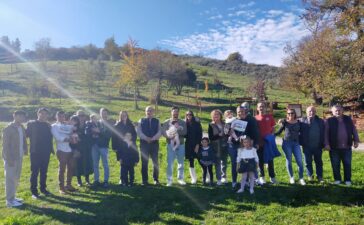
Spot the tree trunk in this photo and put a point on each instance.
(136, 107)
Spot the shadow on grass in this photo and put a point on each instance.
(179, 205)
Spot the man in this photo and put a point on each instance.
(249, 127)
(179, 151)
(266, 125)
(149, 132)
(61, 133)
(41, 146)
(340, 135)
(14, 147)
(101, 148)
(312, 141)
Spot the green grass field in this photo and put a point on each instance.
(191, 204)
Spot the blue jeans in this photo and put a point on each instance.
(233, 153)
(341, 155)
(290, 147)
(316, 154)
(179, 153)
(98, 152)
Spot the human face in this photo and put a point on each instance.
(337, 111)
(104, 114)
(204, 143)
(247, 143)
(189, 116)
(261, 108)
(124, 116)
(175, 113)
(61, 118)
(149, 112)
(43, 116)
(19, 119)
(291, 115)
(241, 113)
(216, 117)
(311, 112)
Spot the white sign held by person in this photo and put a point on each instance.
(239, 125)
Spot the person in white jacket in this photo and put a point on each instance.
(62, 134)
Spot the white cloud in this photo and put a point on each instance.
(261, 41)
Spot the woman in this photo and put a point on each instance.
(219, 144)
(84, 161)
(193, 139)
(121, 144)
(292, 128)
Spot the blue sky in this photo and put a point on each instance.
(257, 29)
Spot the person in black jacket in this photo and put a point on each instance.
(41, 146)
(124, 143)
(312, 140)
(340, 136)
(101, 147)
(193, 138)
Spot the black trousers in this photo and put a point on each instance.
(38, 165)
(271, 173)
(149, 150)
(127, 171)
(205, 169)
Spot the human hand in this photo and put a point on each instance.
(356, 144)
(196, 148)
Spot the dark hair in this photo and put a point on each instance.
(193, 116)
(293, 110)
(60, 113)
(206, 139)
(77, 119)
(127, 115)
(19, 113)
(174, 108)
(43, 110)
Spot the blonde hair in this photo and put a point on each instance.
(216, 111)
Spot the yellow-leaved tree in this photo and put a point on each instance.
(133, 69)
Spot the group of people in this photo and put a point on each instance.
(248, 140)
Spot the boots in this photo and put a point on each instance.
(193, 175)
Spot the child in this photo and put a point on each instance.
(229, 119)
(92, 125)
(173, 132)
(206, 159)
(128, 157)
(247, 161)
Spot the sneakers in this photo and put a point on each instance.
(105, 185)
(241, 190)
(62, 191)
(223, 180)
(302, 182)
(291, 180)
(261, 180)
(45, 192)
(251, 191)
(348, 183)
(35, 196)
(337, 182)
(181, 182)
(207, 179)
(218, 183)
(13, 203)
(169, 183)
(19, 200)
(233, 185)
(273, 180)
(156, 182)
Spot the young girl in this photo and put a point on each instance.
(207, 158)
(247, 162)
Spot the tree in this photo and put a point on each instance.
(111, 49)
(329, 62)
(42, 49)
(235, 57)
(133, 70)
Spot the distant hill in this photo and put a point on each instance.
(243, 68)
